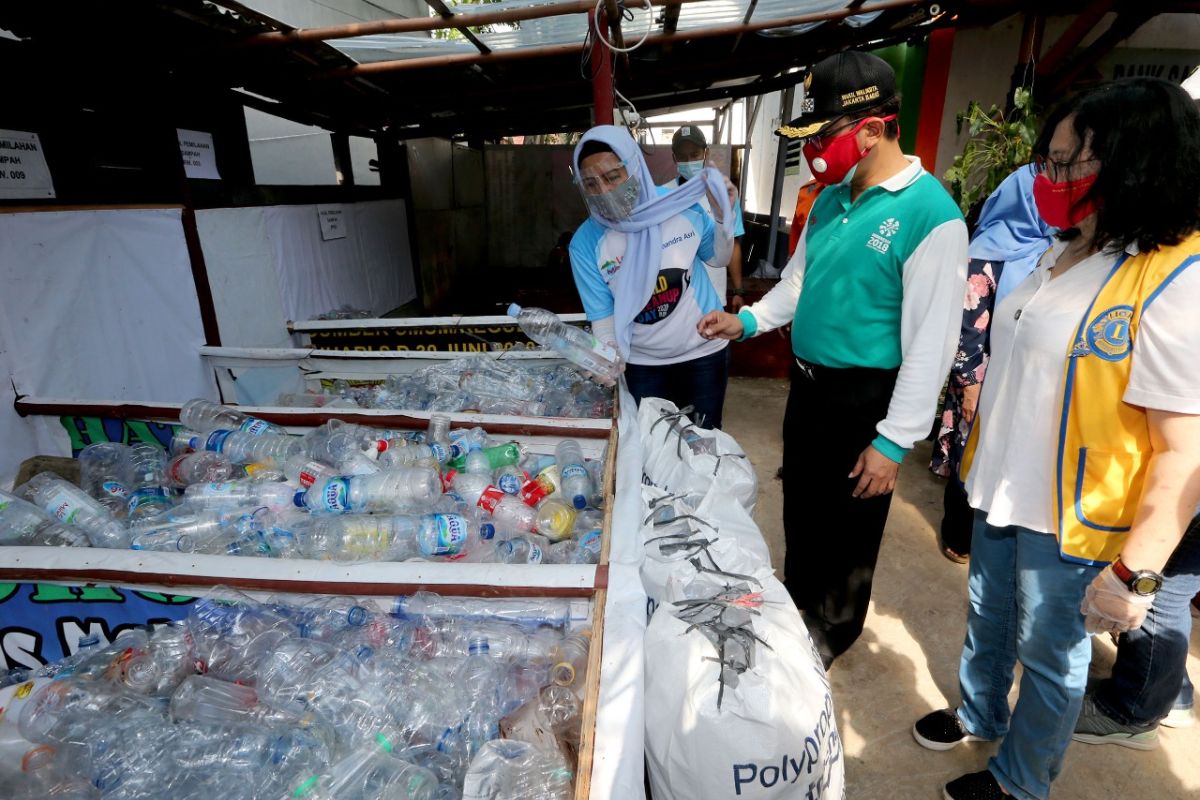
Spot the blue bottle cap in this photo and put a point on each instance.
(487, 530)
(357, 616)
(513, 309)
(580, 502)
(298, 498)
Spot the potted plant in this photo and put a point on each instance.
(997, 143)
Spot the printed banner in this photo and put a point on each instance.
(90, 430)
(41, 622)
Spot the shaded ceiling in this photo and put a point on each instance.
(530, 80)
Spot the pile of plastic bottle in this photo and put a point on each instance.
(235, 485)
(482, 383)
(318, 698)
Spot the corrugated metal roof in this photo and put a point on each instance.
(572, 28)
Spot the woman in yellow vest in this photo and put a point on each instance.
(1084, 460)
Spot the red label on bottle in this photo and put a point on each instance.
(448, 480)
(532, 492)
(490, 498)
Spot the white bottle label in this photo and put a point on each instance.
(573, 471)
(115, 488)
(335, 495)
(219, 488)
(62, 507)
(450, 533)
(603, 350)
(535, 554)
(256, 427)
(590, 541)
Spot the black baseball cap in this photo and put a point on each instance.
(841, 85)
(688, 133)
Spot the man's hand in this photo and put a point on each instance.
(1109, 606)
(970, 401)
(719, 325)
(878, 474)
(737, 302)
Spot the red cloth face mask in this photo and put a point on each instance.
(1064, 204)
(830, 164)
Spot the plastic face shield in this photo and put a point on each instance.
(609, 191)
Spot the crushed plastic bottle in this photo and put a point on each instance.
(71, 505)
(204, 416)
(391, 490)
(574, 344)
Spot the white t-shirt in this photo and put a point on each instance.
(1013, 475)
(717, 276)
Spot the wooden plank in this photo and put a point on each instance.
(591, 700)
(610, 495)
(412, 322)
(124, 207)
(183, 581)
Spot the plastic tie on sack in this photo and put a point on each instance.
(725, 619)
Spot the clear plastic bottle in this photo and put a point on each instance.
(147, 497)
(407, 454)
(228, 495)
(104, 474)
(370, 773)
(249, 448)
(528, 549)
(509, 479)
(303, 471)
(571, 659)
(23, 523)
(180, 531)
(71, 505)
(509, 513)
(574, 344)
(572, 473)
(490, 458)
(555, 520)
(392, 490)
(196, 467)
(471, 486)
(204, 416)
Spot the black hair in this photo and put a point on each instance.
(1145, 132)
(592, 147)
(888, 108)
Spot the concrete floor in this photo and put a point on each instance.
(906, 662)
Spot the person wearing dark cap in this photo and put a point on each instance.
(874, 292)
(689, 149)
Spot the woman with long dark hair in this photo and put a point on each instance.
(1084, 461)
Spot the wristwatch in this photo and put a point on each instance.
(1142, 582)
(739, 291)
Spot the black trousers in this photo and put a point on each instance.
(832, 538)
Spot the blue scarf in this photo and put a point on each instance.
(643, 236)
(1011, 230)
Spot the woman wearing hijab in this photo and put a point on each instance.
(1009, 239)
(638, 263)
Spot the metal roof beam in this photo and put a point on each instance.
(448, 15)
(516, 54)
(417, 24)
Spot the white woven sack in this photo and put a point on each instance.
(775, 736)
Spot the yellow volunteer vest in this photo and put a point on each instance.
(1103, 442)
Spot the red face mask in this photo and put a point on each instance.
(831, 163)
(1064, 204)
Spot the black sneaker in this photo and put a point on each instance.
(942, 730)
(974, 786)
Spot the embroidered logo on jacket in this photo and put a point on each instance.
(1107, 334)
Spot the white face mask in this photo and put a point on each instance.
(689, 169)
(617, 203)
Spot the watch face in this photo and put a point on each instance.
(1146, 584)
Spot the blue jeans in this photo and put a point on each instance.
(1024, 605)
(699, 383)
(1150, 675)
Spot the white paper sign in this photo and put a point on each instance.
(333, 225)
(23, 170)
(199, 157)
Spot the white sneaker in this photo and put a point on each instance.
(1179, 718)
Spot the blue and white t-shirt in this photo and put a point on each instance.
(664, 332)
(718, 276)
